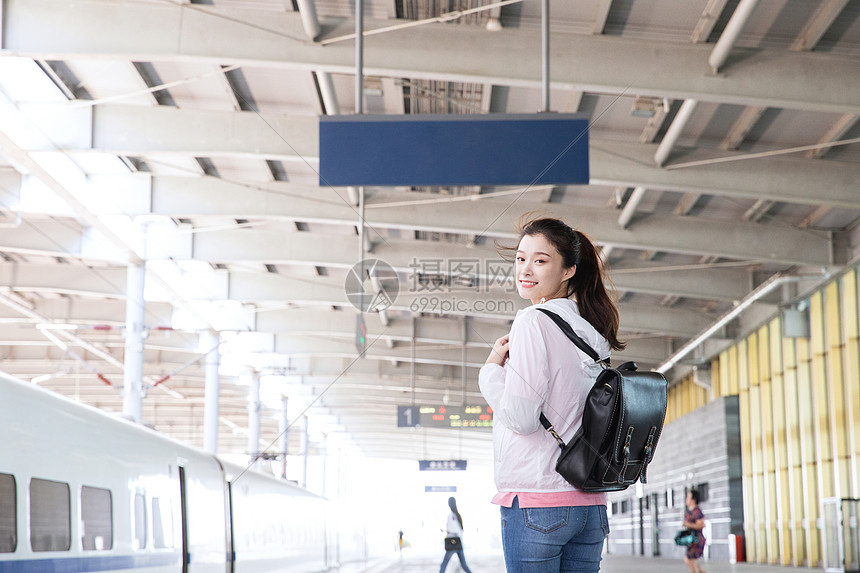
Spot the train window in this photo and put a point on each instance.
(162, 523)
(139, 521)
(8, 514)
(50, 515)
(96, 519)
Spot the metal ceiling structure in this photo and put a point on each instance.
(723, 146)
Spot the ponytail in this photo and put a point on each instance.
(589, 290)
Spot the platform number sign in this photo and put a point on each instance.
(442, 416)
(407, 416)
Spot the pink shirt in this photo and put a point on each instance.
(554, 499)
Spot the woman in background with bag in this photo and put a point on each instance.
(454, 539)
(548, 526)
(694, 520)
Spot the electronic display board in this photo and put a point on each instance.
(441, 416)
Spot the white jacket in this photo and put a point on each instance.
(544, 372)
(453, 527)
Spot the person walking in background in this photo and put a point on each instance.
(548, 526)
(694, 519)
(454, 531)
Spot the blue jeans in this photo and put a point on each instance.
(553, 539)
(447, 558)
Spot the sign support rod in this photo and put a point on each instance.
(545, 52)
(359, 56)
(359, 109)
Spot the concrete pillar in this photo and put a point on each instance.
(254, 407)
(305, 446)
(323, 455)
(284, 435)
(209, 342)
(132, 391)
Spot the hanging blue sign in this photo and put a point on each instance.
(440, 489)
(441, 465)
(421, 150)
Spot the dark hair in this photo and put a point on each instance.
(587, 284)
(452, 503)
(694, 493)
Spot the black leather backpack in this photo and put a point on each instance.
(621, 424)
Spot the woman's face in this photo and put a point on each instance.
(690, 501)
(540, 272)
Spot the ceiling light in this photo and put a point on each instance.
(645, 106)
(373, 86)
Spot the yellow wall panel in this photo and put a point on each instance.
(792, 450)
(780, 454)
(836, 391)
(852, 378)
(821, 422)
(720, 371)
(758, 491)
(734, 379)
(763, 359)
(768, 465)
(752, 359)
(809, 466)
(747, 474)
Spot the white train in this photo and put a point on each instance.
(81, 490)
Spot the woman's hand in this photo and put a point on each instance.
(499, 353)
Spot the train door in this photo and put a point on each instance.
(183, 518)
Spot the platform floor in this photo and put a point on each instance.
(494, 563)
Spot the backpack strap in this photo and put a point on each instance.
(582, 345)
(548, 427)
(574, 337)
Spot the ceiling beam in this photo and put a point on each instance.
(707, 21)
(816, 26)
(149, 32)
(601, 15)
(790, 179)
(741, 128)
(195, 197)
(739, 240)
(838, 130)
(120, 129)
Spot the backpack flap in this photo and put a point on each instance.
(642, 409)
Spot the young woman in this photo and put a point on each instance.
(694, 519)
(454, 528)
(547, 524)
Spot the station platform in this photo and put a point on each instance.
(494, 563)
